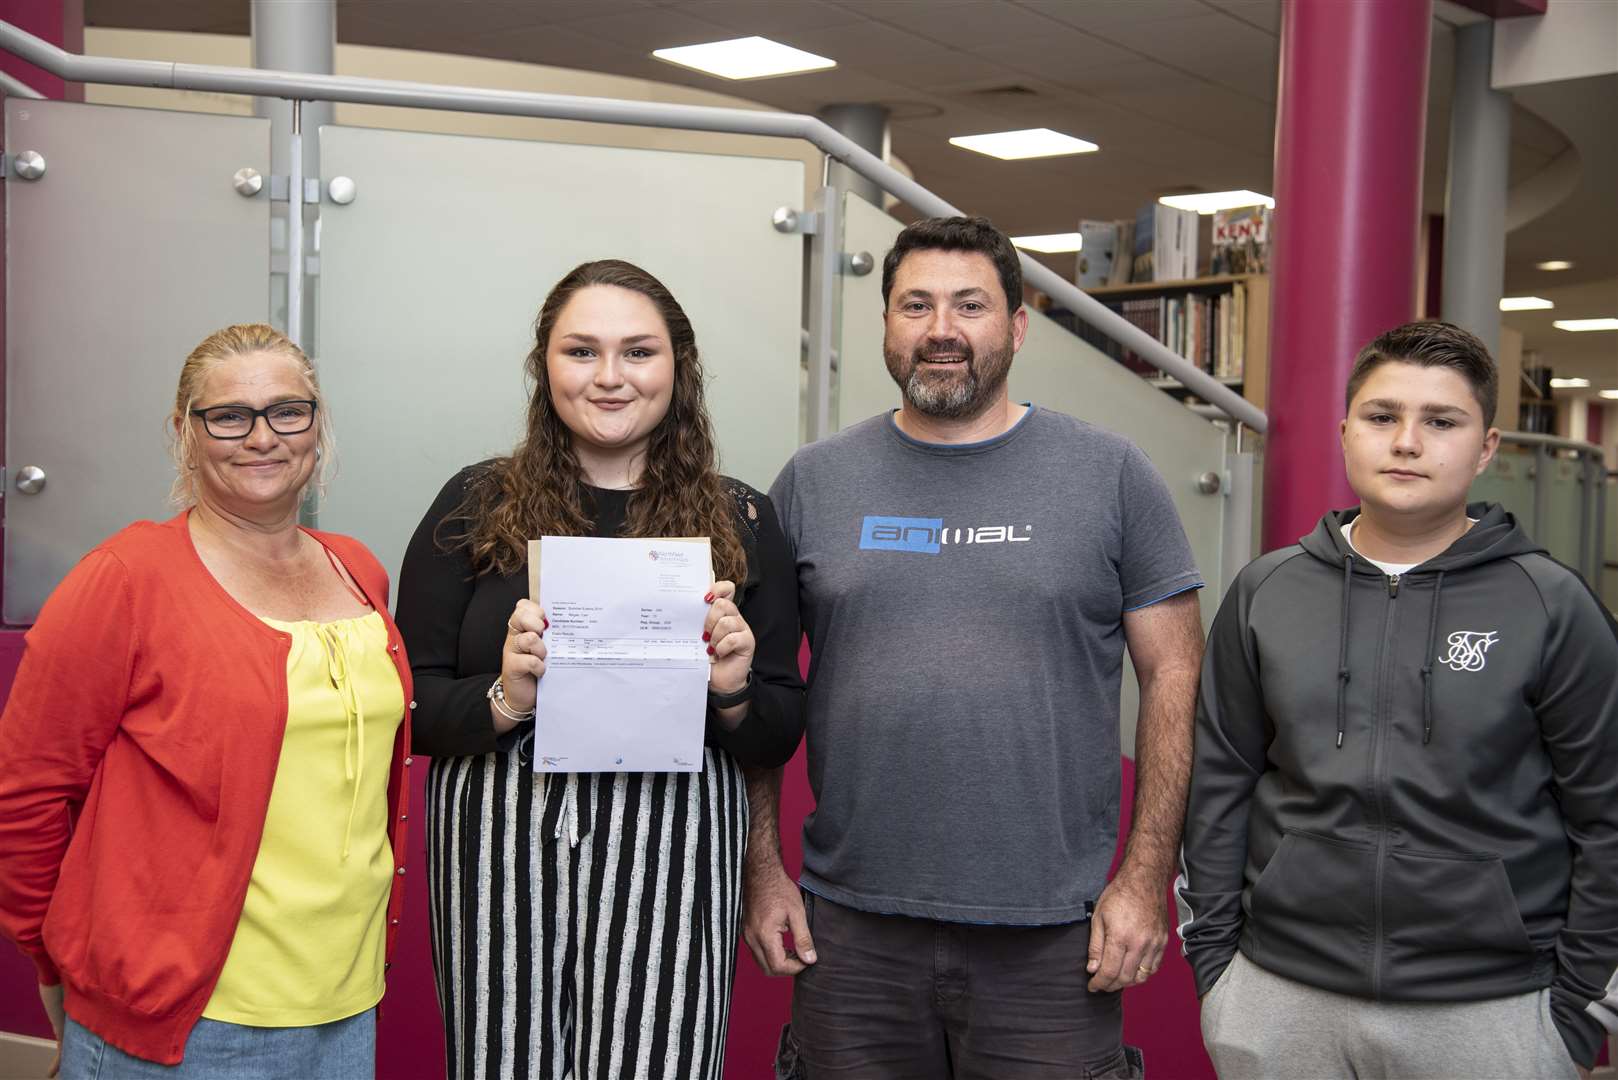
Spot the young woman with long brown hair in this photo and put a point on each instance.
(585, 925)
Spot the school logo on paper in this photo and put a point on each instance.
(1467, 649)
(929, 536)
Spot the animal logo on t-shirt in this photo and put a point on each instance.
(929, 536)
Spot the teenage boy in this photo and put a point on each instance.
(1401, 849)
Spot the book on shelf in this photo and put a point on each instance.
(1179, 228)
(1207, 326)
(1106, 253)
(1241, 240)
(1098, 250)
(1165, 243)
(1123, 263)
(1145, 246)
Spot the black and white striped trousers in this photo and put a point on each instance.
(584, 925)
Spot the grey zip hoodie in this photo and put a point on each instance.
(1406, 789)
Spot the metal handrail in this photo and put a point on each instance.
(15, 87)
(1553, 442)
(297, 86)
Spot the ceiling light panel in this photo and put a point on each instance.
(1555, 264)
(1579, 326)
(1525, 303)
(1569, 384)
(1050, 243)
(745, 58)
(1208, 202)
(1029, 143)
(1613, 394)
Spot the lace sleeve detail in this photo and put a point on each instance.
(746, 500)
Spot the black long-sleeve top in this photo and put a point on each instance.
(454, 624)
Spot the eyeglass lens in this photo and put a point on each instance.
(233, 421)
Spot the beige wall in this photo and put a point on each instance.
(1609, 434)
(446, 69)
(1510, 363)
(1572, 40)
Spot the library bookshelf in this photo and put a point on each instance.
(1222, 323)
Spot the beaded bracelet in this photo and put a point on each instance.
(497, 697)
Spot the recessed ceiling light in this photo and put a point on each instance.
(1050, 243)
(1555, 264)
(1610, 394)
(1206, 202)
(1580, 326)
(1569, 384)
(1525, 303)
(744, 58)
(1029, 143)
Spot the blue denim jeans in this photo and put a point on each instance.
(340, 1050)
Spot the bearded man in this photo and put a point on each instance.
(971, 570)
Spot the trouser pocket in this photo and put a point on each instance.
(1127, 1064)
(789, 1063)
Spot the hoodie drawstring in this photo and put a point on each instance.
(1342, 651)
(1427, 664)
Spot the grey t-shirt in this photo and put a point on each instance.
(964, 607)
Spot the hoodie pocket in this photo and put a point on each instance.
(1311, 911)
(1451, 919)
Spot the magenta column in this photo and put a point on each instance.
(1348, 153)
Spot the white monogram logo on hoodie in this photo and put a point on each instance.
(1466, 649)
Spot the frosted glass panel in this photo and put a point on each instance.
(1564, 496)
(431, 278)
(1507, 482)
(128, 251)
(1056, 370)
(1609, 545)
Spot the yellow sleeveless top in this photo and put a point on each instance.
(310, 943)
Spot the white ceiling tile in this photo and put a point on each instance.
(1264, 14)
(650, 28)
(747, 17)
(1062, 53)
(1107, 14)
(1215, 46)
(959, 23)
(1224, 115)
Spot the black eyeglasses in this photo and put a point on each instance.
(236, 421)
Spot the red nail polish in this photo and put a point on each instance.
(705, 635)
(708, 599)
(710, 650)
(547, 625)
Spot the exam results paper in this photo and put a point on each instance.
(626, 672)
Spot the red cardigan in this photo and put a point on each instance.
(137, 753)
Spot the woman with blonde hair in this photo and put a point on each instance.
(202, 762)
(584, 925)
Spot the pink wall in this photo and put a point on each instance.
(19, 999)
(60, 22)
(1350, 118)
